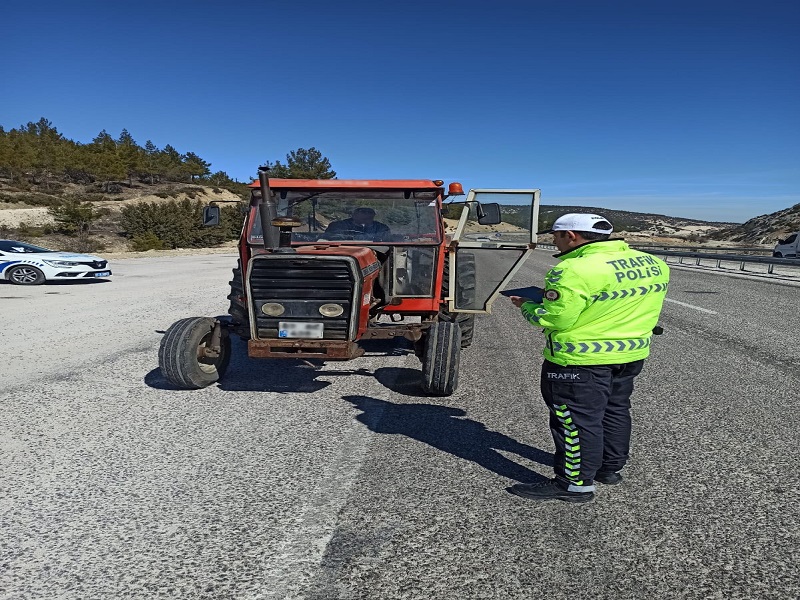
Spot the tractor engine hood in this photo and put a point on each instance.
(366, 258)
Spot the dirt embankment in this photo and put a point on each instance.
(12, 216)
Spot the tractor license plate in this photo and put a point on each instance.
(293, 329)
(102, 274)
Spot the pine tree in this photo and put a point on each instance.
(130, 153)
(21, 153)
(170, 163)
(151, 160)
(106, 163)
(302, 164)
(47, 142)
(195, 166)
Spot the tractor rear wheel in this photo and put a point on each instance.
(183, 353)
(441, 358)
(237, 308)
(465, 295)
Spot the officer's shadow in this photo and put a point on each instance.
(443, 428)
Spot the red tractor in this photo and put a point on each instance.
(327, 264)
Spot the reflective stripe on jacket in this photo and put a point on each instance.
(600, 304)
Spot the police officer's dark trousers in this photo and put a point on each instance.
(589, 417)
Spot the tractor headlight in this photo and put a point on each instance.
(331, 310)
(272, 309)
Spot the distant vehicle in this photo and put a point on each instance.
(788, 248)
(26, 264)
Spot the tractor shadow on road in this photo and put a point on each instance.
(444, 428)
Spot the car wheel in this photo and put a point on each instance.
(183, 357)
(25, 275)
(777, 255)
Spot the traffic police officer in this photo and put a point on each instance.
(599, 310)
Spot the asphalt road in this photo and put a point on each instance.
(291, 480)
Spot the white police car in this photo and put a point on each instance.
(26, 264)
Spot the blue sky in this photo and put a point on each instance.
(681, 108)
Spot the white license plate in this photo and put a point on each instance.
(293, 329)
(102, 274)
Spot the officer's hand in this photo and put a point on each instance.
(518, 301)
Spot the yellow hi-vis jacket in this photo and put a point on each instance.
(600, 304)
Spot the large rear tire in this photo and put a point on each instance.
(181, 354)
(465, 295)
(237, 309)
(441, 358)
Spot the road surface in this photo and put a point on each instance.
(341, 481)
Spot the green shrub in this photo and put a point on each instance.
(8, 199)
(178, 223)
(28, 231)
(31, 199)
(73, 217)
(146, 241)
(88, 197)
(83, 244)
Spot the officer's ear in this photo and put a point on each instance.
(575, 237)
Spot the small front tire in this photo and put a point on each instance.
(182, 357)
(441, 358)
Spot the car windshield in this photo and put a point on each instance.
(358, 216)
(21, 247)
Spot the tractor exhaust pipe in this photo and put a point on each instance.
(267, 211)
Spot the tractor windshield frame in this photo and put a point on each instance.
(363, 217)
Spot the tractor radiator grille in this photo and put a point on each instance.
(301, 285)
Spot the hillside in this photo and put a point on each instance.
(639, 227)
(24, 215)
(764, 229)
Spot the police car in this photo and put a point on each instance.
(26, 264)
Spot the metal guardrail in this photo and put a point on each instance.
(771, 262)
(705, 249)
(742, 259)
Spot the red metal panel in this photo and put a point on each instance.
(414, 305)
(355, 184)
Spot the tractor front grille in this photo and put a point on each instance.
(301, 285)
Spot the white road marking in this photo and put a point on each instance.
(705, 310)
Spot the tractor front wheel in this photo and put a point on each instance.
(186, 356)
(441, 358)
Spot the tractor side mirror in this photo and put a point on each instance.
(489, 214)
(211, 216)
